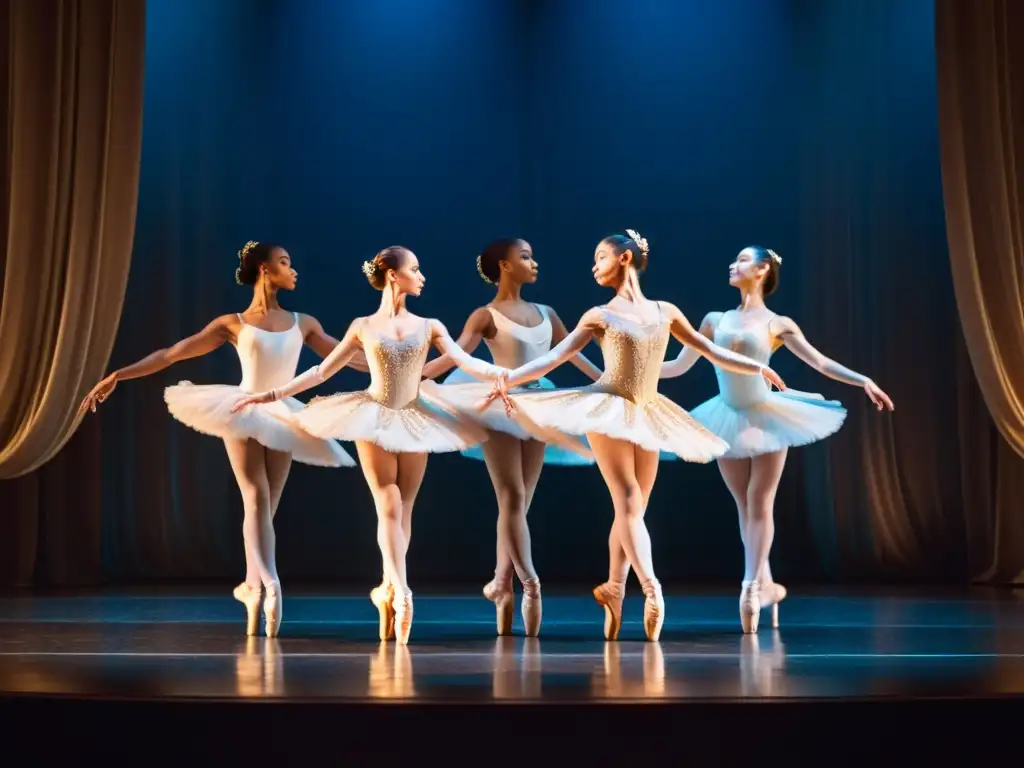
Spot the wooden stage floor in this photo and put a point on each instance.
(163, 662)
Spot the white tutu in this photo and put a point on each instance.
(426, 425)
(657, 424)
(780, 420)
(207, 409)
(463, 392)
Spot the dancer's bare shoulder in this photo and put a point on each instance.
(480, 321)
(593, 319)
(710, 323)
(223, 328)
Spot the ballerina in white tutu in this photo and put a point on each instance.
(625, 420)
(516, 332)
(394, 424)
(260, 443)
(761, 425)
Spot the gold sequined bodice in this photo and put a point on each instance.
(395, 366)
(633, 353)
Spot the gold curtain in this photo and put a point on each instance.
(74, 80)
(981, 122)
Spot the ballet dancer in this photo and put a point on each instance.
(516, 332)
(260, 444)
(761, 425)
(393, 423)
(626, 421)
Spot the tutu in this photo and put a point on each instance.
(780, 420)
(624, 404)
(462, 392)
(425, 425)
(656, 424)
(393, 412)
(207, 409)
(748, 414)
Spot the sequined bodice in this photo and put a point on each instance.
(740, 390)
(268, 358)
(514, 345)
(395, 366)
(633, 353)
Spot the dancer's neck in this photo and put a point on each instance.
(392, 302)
(630, 288)
(264, 299)
(509, 291)
(751, 299)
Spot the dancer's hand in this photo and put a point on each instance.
(877, 396)
(98, 394)
(500, 389)
(258, 399)
(773, 378)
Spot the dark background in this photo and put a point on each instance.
(339, 127)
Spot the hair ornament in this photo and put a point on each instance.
(370, 268)
(241, 259)
(480, 270)
(775, 257)
(245, 249)
(640, 241)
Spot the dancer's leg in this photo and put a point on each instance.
(765, 474)
(617, 460)
(248, 462)
(504, 456)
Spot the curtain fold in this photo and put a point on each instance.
(74, 77)
(980, 66)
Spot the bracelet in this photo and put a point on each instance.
(274, 397)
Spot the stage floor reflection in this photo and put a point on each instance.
(828, 645)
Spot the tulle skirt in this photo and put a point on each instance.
(426, 425)
(655, 425)
(782, 420)
(207, 408)
(463, 392)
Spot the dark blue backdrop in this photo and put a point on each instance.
(338, 128)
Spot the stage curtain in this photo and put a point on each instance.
(73, 101)
(980, 65)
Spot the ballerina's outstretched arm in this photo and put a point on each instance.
(797, 343)
(559, 334)
(213, 336)
(720, 356)
(688, 355)
(323, 343)
(318, 374)
(475, 367)
(566, 349)
(477, 326)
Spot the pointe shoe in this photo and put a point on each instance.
(273, 606)
(503, 600)
(654, 610)
(250, 597)
(750, 606)
(610, 596)
(403, 617)
(531, 608)
(383, 597)
(771, 595)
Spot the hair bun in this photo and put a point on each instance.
(641, 242)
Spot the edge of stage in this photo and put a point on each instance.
(115, 672)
